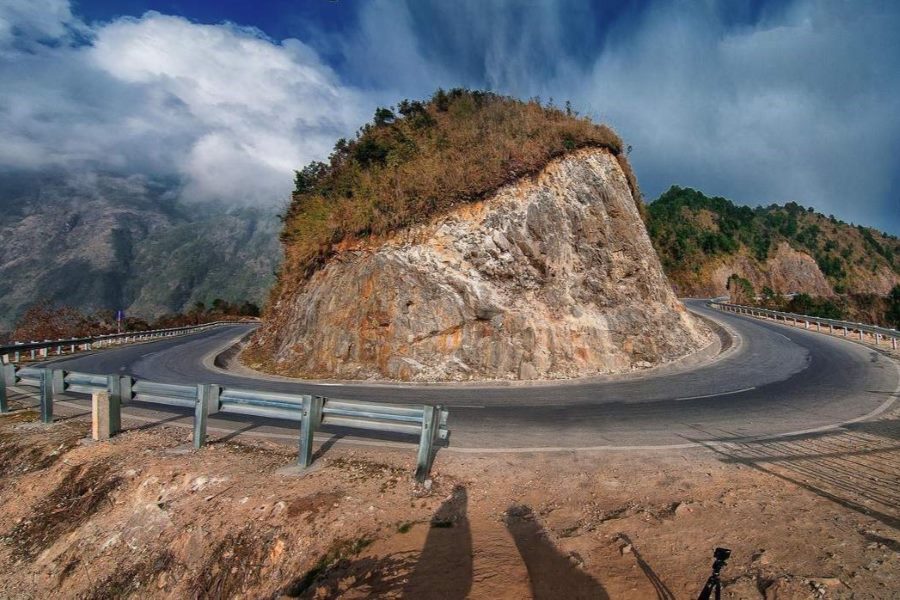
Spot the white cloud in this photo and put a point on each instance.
(34, 20)
(796, 108)
(230, 110)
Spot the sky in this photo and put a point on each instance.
(761, 102)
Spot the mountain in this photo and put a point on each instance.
(526, 259)
(703, 241)
(98, 241)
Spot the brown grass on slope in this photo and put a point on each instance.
(458, 147)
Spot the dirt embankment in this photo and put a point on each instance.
(809, 517)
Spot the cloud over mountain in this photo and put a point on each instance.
(763, 102)
(223, 106)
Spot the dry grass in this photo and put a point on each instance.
(458, 147)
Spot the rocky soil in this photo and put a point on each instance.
(551, 277)
(813, 516)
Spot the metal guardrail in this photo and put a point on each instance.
(861, 329)
(427, 422)
(12, 353)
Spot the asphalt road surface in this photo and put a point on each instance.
(776, 380)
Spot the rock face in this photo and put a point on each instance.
(786, 271)
(551, 277)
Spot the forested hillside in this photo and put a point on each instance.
(702, 241)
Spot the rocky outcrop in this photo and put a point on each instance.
(551, 277)
(785, 271)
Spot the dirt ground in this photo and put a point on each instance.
(144, 516)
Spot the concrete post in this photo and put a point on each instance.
(105, 416)
(46, 395)
(430, 429)
(807, 325)
(877, 338)
(7, 378)
(845, 332)
(894, 343)
(310, 421)
(207, 404)
(860, 335)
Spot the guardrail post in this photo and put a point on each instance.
(46, 391)
(105, 415)
(207, 404)
(431, 426)
(860, 335)
(310, 419)
(114, 394)
(894, 343)
(7, 378)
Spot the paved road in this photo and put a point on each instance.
(775, 381)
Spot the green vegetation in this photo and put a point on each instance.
(741, 289)
(892, 314)
(421, 158)
(692, 231)
(861, 308)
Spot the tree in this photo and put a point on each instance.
(893, 311)
(305, 179)
(741, 290)
(384, 116)
(46, 322)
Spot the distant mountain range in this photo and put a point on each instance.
(703, 241)
(98, 242)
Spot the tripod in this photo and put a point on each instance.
(721, 556)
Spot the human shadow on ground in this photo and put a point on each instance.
(444, 568)
(552, 574)
(662, 591)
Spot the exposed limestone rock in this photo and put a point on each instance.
(551, 277)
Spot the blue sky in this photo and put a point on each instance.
(760, 102)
